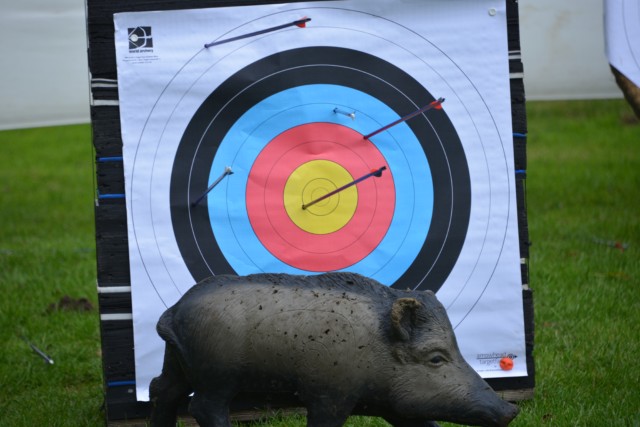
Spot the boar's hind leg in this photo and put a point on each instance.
(210, 410)
(168, 390)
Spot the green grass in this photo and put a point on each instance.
(47, 251)
(583, 190)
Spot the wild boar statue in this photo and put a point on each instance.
(341, 342)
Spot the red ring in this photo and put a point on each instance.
(265, 197)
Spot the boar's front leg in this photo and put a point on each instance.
(167, 391)
(328, 410)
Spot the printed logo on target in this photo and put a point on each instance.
(140, 40)
(493, 358)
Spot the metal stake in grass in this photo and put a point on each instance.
(39, 352)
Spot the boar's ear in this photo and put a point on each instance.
(403, 317)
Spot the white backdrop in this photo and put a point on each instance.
(563, 50)
(44, 78)
(43, 72)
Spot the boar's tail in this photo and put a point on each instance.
(166, 330)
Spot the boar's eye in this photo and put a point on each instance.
(437, 359)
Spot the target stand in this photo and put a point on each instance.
(255, 159)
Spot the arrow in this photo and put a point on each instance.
(376, 172)
(351, 115)
(435, 104)
(227, 171)
(302, 23)
(39, 352)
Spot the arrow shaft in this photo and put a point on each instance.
(377, 172)
(257, 33)
(212, 186)
(39, 352)
(434, 104)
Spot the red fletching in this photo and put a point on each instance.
(303, 22)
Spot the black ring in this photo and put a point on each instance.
(322, 65)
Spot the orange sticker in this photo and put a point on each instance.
(506, 363)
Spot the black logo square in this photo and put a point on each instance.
(140, 38)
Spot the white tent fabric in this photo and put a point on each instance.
(622, 26)
(44, 78)
(563, 50)
(43, 72)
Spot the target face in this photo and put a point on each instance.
(261, 153)
(280, 133)
(287, 112)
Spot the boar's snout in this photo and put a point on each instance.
(487, 409)
(509, 412)
(501, 413)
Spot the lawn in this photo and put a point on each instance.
(583, 191)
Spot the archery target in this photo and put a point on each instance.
(241, 104)
(275, 108)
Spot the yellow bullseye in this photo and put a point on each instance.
(311, 181)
